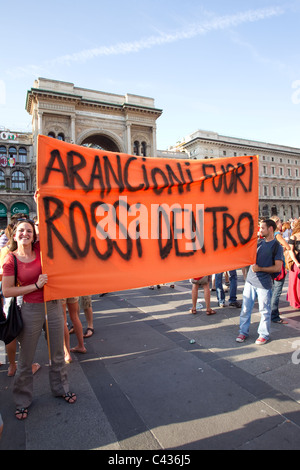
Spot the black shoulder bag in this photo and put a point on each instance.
(12, 324)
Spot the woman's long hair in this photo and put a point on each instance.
(12, 243)
(296, 228)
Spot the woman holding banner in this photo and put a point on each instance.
(30, 285)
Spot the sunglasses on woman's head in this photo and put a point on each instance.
(26, 220)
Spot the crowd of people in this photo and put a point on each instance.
(263, 282)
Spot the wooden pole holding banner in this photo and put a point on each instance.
(47, 333)
(45, 303)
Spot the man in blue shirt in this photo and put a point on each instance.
(259, 283)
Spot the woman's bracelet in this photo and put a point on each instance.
(36, 286)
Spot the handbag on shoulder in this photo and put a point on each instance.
(11, 324)
(288, 260)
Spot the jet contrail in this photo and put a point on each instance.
(215, 24)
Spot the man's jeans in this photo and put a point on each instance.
(220, 290)
(276, 293)
(263, 296)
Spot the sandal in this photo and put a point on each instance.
(210, 312)
(35, 367)
(22, 412)
(85, 334)
(76, 350)
(69, 397)
(193, 310)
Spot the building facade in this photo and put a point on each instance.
(115, 123)
(279, 168)
(17, 176)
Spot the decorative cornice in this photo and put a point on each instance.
(80, 100)
(255, 146)
(49, 94)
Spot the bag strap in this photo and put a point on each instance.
(292, 241)
(16, 268)
(275, 249)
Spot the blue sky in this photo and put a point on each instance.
(231, 66)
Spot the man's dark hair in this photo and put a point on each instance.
(270, 223)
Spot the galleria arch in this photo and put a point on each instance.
(117, 123)
(104, 140)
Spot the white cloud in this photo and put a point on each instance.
(214, 24)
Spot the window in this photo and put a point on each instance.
(264, 170)
(281, 191)
(296, 172)
(290, 192)
(265, 190)
(274, 190)
(273, 170)
(18, 181)
(281, 171)
(3, 155)
(140, 148)
(2, 179)
(136, 147)
(12, 156)
(12, 151)
(265, 211)
(22, 155)
(143, 149)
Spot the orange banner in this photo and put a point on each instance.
(110, 222)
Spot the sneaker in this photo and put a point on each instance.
(222, 305)
(236, 304)
(261, 340)
(241, 338)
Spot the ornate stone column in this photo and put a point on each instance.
(128, 138)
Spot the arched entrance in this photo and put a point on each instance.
(101, 141)
(273, 210)
(265, 211)
(3, 216)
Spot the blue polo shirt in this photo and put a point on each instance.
(264, 258)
